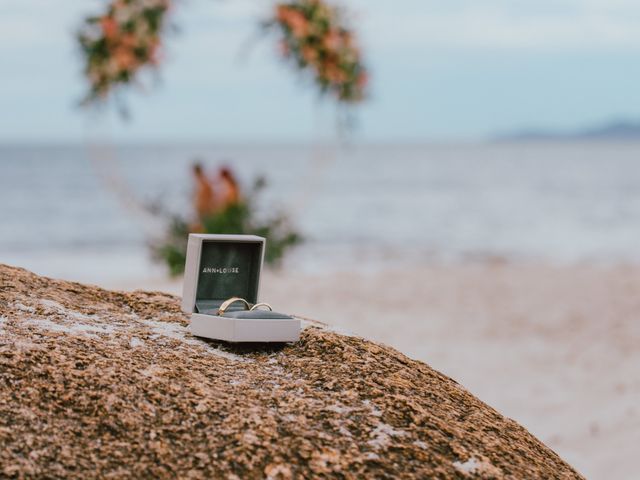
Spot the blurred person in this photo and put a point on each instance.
(205, 201)
(229, 188)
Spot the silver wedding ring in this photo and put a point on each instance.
(258, 305)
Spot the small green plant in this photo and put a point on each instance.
(238, 218)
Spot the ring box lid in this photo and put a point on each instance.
(219, 267)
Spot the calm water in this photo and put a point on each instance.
(363, 207)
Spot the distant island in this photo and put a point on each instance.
(618, 130)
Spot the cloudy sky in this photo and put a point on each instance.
(441, 70)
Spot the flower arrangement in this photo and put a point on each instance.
(316, 39)
(237, 217)
(119, 43)
(126, 39)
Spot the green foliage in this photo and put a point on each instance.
(239, 218)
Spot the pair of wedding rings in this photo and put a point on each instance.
(227, 303)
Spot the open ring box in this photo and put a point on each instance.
(219, 267)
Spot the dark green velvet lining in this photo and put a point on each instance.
(227, 269)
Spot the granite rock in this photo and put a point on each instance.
(96, 383)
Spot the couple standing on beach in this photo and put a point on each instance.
(214, 195)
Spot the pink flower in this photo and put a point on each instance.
(298, 24)
(294, 20)
(109, 27)
(362, 80)
(284, 48)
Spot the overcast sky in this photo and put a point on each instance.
(441, 70)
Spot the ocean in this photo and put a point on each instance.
(74, 211)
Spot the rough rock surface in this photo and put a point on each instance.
(95, 383)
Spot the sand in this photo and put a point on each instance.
(556, 348)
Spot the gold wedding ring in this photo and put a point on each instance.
(227, 303)
(257, 305)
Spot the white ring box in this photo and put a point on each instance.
(219, 267)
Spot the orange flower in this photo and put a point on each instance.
(282, 12)
(124, 58)
(309, 54)
(297, 23)
(109, 27)
(332, 40)
(128, 40)
(333, 73)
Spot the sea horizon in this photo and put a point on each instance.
(553, 202)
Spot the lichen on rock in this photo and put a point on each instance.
(95, 383)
